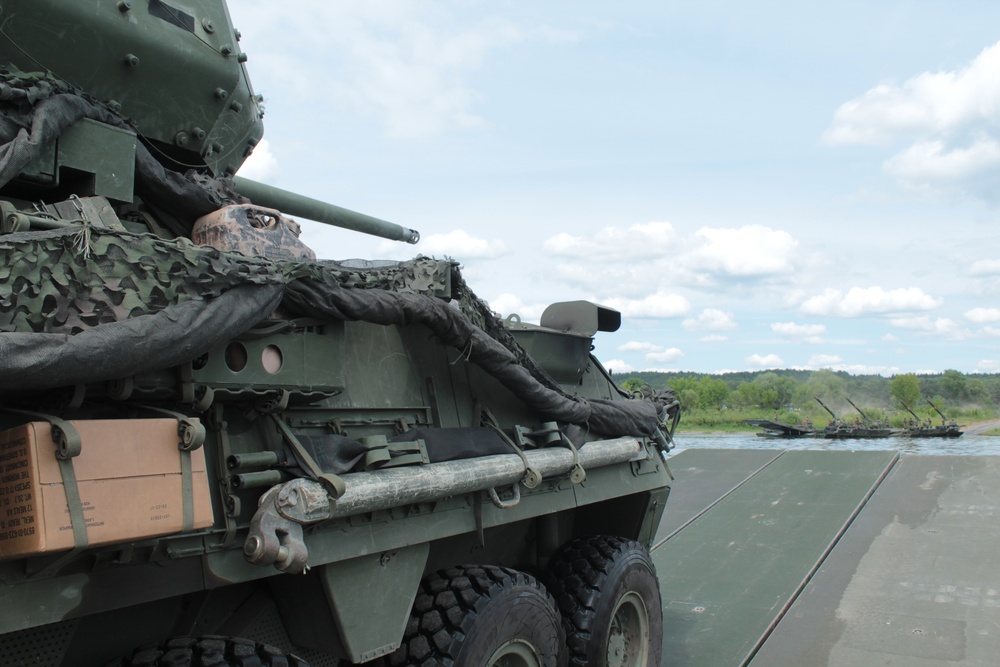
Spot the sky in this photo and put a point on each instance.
(753, 185)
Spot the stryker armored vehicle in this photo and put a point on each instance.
(218, 450)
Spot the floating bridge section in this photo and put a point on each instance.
(830, 558)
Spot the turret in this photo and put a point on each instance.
(143, 102)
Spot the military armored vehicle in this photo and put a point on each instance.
(218, 450)
(922, 428)
(861, 427)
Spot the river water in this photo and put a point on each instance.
(970, 445)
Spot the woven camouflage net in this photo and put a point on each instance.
(69, 281)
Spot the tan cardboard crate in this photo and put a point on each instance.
(129, 477)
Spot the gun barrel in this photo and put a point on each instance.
(857, 408)
(825, 408)
(935, 409)
(909, 410)
(301, 206)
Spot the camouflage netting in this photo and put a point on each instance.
(89, 304)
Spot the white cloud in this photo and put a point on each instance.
(652, 352)
(983, 315)
(714, 338)
(407, 65)
(751, 250)
(639, 346)
(765, 361)
(507, 304)
(928, 162)
(793, 330)
(929, 102)
(665, 356)
(869, 300)
(461, 245)
(654, 305)
(988, 365)
(941, 325)
(984, 267)
(457, 244)
(618, 366)
(890, 338)
(823, 361)
(262, 165)
(949, 116)
(648, 240)
(711, 319)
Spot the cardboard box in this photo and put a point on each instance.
(128, 474)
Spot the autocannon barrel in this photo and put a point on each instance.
(312, 209)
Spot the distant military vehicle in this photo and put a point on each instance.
(838, 429)
(922, 428)
(217, 450)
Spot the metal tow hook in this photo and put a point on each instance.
(274, 539)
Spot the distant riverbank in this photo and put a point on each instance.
(989, 428)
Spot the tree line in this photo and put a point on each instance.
(793, 393)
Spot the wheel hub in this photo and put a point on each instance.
(628, 636)
(515, 653)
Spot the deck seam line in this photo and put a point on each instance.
(819, 563)
(715, 502)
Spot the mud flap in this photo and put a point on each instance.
(347, 595)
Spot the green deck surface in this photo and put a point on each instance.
(702, 477)
(727, 576)
(914, 582)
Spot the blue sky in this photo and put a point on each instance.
(754, 185)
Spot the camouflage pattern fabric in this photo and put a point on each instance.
(68, 281)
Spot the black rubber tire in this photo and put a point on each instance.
(209, 652)
(590, 578)
(463, 615)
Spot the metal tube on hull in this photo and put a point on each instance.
(301, 206)
(372, 491)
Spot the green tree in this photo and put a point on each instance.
(746, 395)
(632, 384)
(775, 391)
(954, 385)
(687, 391)
(713, 393)
(826, 384)
(978, 392)
(905, 389)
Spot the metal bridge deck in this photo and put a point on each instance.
(838, 558)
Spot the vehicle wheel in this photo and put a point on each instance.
(209, 652)
(609, 596)
(482, 616)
